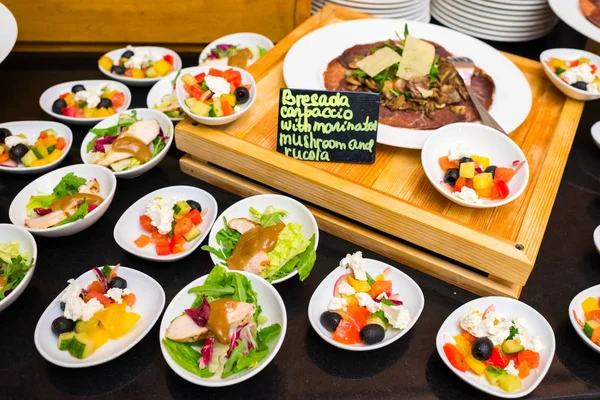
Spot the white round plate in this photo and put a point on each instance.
(410, 294)
(51, 94)
(32, 129)
(483, 141)
(370, 7)
(488, 9)
(570, 55)
(575, 307)
(8, 31)
(570, 13)
(496, 15)
(150, 301)
(128, 227)
(513, 5)
(272, 308)
(307, 60)
(160, 89)
(115, 55)
(242, 39)
(297, 212)
(27, 245)
(142, 113)
(45, 185)
(509, 308)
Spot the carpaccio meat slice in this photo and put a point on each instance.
(591, 10)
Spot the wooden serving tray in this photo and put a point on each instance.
(390, 206)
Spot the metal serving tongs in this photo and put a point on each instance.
(466, 68)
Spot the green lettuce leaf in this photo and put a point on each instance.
(124, 120)
(261, 51)
(290, 243)
(269, 217)
(157, 145)
(233, 358)
(42, 201)
(307, 259)
(249, 360)
(186, 357)
(81, 212)
(67, 186)
(266, 334)
(14, 271)
(8, 251)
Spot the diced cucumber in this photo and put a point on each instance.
(493, 374)
(65, 340)
(200, 108)
(51, 149)
(40, 151)
(509, 382)
(29, 158)
(184, 209)
(189, 79)
(192, 234)
(512, 346)
(82, 326)
(190, 102)
(81, 346)
(589, 327)
(373, 319)
(176, 209)
(217, 106)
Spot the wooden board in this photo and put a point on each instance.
(393, 195)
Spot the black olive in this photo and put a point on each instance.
(117, 69)
(465, 159)
(330, 320)
(580, 85)
(62, 325)
(104, 103)
(241, 94)
(4, 133)
(77, 88)
(451, 176)
(372, 333)
(58, 105)
(127, 54)
(63, 305)
(17, 152)
(194, 204)
(492, 170)
(482, 348)
(117, 282)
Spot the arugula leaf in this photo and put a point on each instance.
(261, 51)
(380, 314)
(81, 212)
(227, 238)
(513, 331)
(384, 300)
(269, 217)
(370, 279)
(174, 79)
(235, 354)
(13, 272)
(212, 290)
(434, 72)
(307, 259)
(405, 31)
(217, 252)
(158, 144)
(185, 355)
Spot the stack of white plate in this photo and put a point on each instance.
(501, 20)
(413, 10)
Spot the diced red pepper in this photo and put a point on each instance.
(96, 295)
(195, 216)
(470, 338)
(461, 182)
(497, 359)
(61, 143)
(232, 76)
(163, 248)
(446, 164)
(381, 287)
(503, 174)
(157, 237)
(118, 99)
(359, 314)
(169, 58)
(456, 358)
(69, 112)
(227, 109)
(574, 63)
(176, 245)
(594, 69)
(530, 357)
(502, 189)
(215, 72)
(200, 77)
(62, 96)
(195, 91)
(183, 226)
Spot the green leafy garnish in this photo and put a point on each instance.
(124, 121)
(384, 300)
(227, 238)
(14, 271)
(81, 212)
(379, 314)
(434, 72)
(513, 331)
(175, 79)
(106, 271)
(370, 279)
(157, 145)
(560, 70)
(67, 186)
(186, 356)
(261, 51)
(406, 31)
(271, 216)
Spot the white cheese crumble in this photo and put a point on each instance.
(459, 151)
(75, 308)
(593, 88)
(346, 289)
(356, 263)
(141, 59)
(337, 303)
(495, 329)
(467, 194)
(217, 85)
(365, 300)
(510, 368)
(91, 95)
(580, 73)
(161, 213)
(117, 294)
(398, 316)
(11, 141)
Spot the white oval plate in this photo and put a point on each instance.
(128, 227)
(575, 306)
(483, 141)
(45, 184)
(8, 31)
(27, 245)
(242, 39)
(142, 113)
(307, 60)
(32, 129)
(272, 308)
(570, 13)
(51, 94)
(500, 15)
(509, 308)
(150, 301)
(297, 212)
(115, 55)
(410, 294)
(569, 55)
(160, 89)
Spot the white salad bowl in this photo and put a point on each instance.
(51, 94)
(242, 40)
(575, 309)
(143, 114)
(410, 294)
(182, 95)
(596, 136)
(509, 308)
(27, 245)
(483, 141)
(297, 212)
(128, 227)
(150, 301)
(115, 55)
(272, 308)
(161, 89)
(31, 130)
(569, 55)
(45, 185)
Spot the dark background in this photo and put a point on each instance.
(306, 367)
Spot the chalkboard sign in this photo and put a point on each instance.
(320, 125)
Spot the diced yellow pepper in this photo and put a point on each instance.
(229, 98)
(482, 181)
(596, 79)
(359, 286)
(380, 277)
(39, 163)
(351, 300)
(467, 170)
(590, 304)
(487, 192)
(56, 154)
(463, 345)
(150, 72)
(558, 63)
(22, 136)
(483, 162)
(105, 63)
(89, 112)
(137, 73)
(99, 335)
(476, 366)
(162, 67)
(584, 60)
(70, 99)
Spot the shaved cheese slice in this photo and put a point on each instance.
(378, 61)
(417, 58)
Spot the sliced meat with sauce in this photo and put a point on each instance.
(257, 263)
(143, 131)
(241, 314)
(242, 225)
(184, 329)
(46, 221)
(92, 187)
(591, 10)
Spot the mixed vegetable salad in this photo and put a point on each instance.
(13, 267)
(139, 64)
(89, 102)
(128, 144)
(233, 55)
(580, 73)
(169, 104)
(93, 315)
(500, 348)
(265, 245)
(216, 94)
(218, 336)
(472, 177)
(363, 308)
(591, 323)
(171, 224)
(72, 199)
(15, 149)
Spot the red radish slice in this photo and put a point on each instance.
(579, 322)
(519, 166)
(386, 272)
(487, 310)
(10, 163)
(339, 282)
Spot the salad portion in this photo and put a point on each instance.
(93, 315)
(219, 335)
(72, 199)
(591, 323)
(502, 349)
(472, 178)
(579, 73)
(169, 104)
(265, 245)
(128, 144)
(171, 223)
(233, 55)
(13, 267)
(89, 102)
(15, 149)
(138, 64)
(363, 308)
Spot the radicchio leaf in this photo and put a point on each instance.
(234, 339)
(207, 351)
(224, 47)
(247, 338)
(101, 278)
(201, 313)
(101, 142)
(92, 207)
(42, 211)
